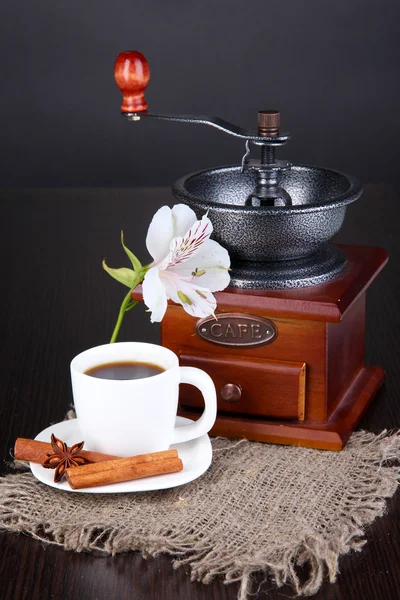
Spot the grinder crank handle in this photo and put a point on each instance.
(132, 74)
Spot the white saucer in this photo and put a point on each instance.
(196, 456)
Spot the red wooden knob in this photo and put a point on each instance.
(132, 74)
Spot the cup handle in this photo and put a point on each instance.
(205, 384)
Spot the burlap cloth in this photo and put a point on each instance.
(258, 508)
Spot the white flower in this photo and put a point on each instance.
(187, 265)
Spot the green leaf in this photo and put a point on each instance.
(136, 264)
(125, 276)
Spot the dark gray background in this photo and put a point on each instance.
(331, 67)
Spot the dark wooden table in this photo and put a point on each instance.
(56, 301)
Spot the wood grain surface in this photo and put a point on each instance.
(56, 301)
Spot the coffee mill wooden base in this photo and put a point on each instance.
(307, 387)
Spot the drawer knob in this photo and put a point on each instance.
(231, 392)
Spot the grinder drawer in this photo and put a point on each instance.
(249, 386)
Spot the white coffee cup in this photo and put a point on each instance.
(136, 416)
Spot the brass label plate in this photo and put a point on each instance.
(237, 329)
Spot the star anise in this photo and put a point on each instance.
(63, 457)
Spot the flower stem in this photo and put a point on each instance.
(131, 305)
(127, 302)
(121, 314)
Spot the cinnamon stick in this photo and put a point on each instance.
(35, 451)
(124, 469)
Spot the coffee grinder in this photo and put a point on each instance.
(287, 351)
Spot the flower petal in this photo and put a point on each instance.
(183, 219)
(160, 233)
(208, 267)
(154, 295)
(166, 225)
(196, 300)
(203, 305)
(184, 248)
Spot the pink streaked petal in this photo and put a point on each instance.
(213, 262)
(171, 282)
(186, 247)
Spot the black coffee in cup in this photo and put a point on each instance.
(125, 370)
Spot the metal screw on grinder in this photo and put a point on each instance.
(268, 126)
